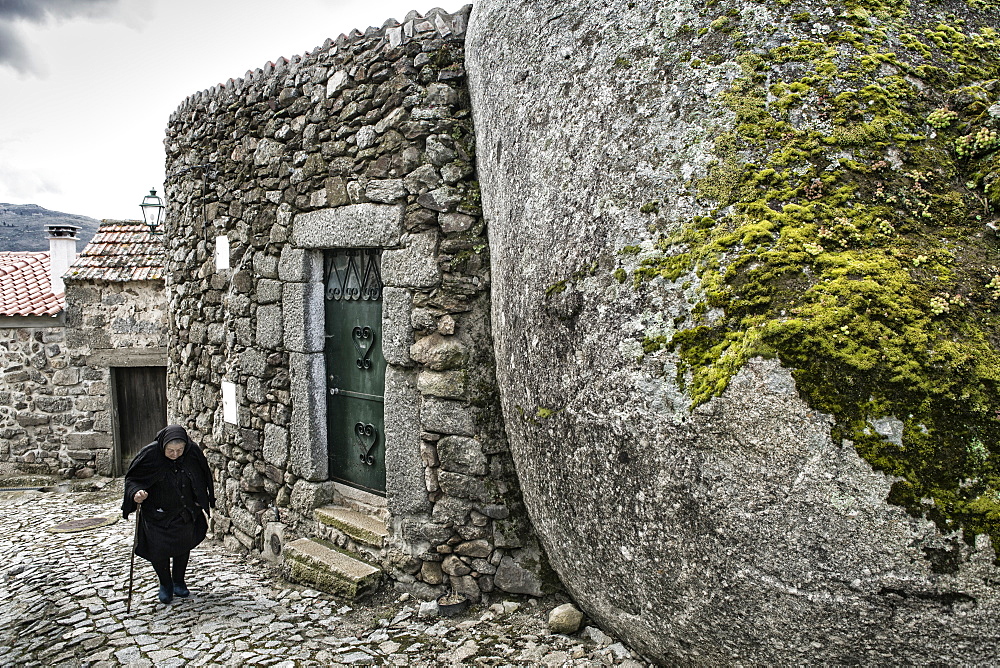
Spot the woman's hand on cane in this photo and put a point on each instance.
(140, 496)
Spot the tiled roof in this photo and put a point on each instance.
(25, 286)
(122, 250)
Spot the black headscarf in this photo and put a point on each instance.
(151, 465)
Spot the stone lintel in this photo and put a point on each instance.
(352, 226)
(34, 321)
(128, 357)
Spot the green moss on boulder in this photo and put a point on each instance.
(853, 237)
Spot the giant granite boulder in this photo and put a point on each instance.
(746, 283)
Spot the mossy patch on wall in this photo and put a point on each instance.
(854, 239)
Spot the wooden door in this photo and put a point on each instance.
(355, 368)
(140, 396)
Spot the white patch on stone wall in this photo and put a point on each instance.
(221, 253)
(229, 412)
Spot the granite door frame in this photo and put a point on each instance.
(300, 268)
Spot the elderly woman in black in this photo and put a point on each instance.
(171, 481)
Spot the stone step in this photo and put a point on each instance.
(320, 565)
(360, 501)
(365, 529)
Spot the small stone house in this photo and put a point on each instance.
(82, 351)
(331, 346)
(117, 333)
(33, 359)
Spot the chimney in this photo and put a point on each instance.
(62, 253)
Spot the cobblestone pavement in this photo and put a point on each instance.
(62, 602)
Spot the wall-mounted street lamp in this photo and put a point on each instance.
(152, 211)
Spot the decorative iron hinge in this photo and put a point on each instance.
(359, 335)
(367, 438)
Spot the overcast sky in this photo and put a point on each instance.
(87, 86)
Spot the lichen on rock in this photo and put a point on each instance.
(853, 237)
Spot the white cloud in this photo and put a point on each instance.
(20, 186)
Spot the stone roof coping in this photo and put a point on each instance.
(392, 34)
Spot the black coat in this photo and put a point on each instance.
(181, 494)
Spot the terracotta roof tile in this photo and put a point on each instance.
(25, 285)
(121, 250)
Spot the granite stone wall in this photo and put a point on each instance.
(366, 142)
(36, 399)
(55, 412)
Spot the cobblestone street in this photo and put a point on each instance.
(63, 602)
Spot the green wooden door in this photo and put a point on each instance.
(355, 368)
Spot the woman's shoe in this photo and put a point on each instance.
(166, 594)
(181, 590)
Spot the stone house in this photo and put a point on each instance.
(117, 333)
(331, 343)
(32, 354)
(82, 341)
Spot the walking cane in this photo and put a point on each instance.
(131, 568)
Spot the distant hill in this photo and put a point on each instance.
(22, 227)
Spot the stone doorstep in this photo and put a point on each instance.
(367, 529)
(310, 562)
(360, 501)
